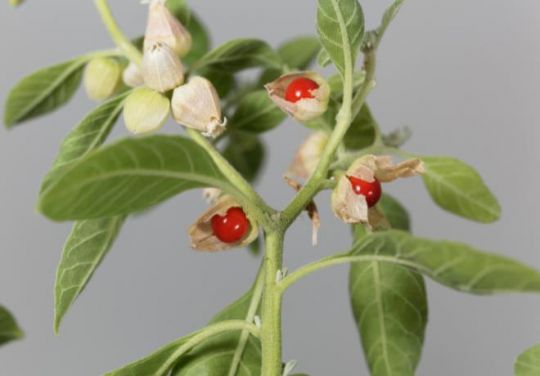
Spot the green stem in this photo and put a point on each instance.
(256, 296)
(348, 111)
(255, 204)
(203, 335)
(119, 38)
(271, 307)
(338, 259)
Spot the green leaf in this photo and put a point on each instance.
(395, 213)
(9, 329)
(86, 246)
(43, 91)
(88, 135)
(239, 54)
(180, 10)
(223, 82)
(323, 59)
(129, 176)
(214, 357)
(459, 189)
(256, 113)
(246, 153)
(200, 39)
(151, 364)
(528, 363)
(455, 265)
(389, 304)
(90, 240)
(390, 308)
(362, 131)
(336, 83)
(297, 54)
(388, 17)
(340, 24)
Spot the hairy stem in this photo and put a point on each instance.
(271, 307)
(255, 204)
(256, 296)
(338, 259)
(119, 38)
(349, 109)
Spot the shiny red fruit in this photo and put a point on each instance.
(300, 88)
(230, 227)
(371, 190)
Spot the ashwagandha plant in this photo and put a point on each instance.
(172, 70)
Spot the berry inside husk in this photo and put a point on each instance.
(231, 227)
(300, 88)
(372, 191)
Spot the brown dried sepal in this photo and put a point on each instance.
(382, 168)
(347, 205)
(312, 210)
(306, 108)
(353, 208)
(201, 233)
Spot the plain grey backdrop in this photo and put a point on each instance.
(462, 74)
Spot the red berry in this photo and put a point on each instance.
(230, 227)
(300, 88)
(371, 190)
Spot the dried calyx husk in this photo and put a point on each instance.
(201, 232)
(164, 27)
(145, 111)
(307, 156)
(304, 109)
(102, 78)
(196, 105)
(161, 69)
(351, 207)
(132, 76)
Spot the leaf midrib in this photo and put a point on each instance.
(437, 178)
(33, 104)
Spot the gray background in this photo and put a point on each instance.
(463, 74)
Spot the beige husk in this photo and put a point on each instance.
(307, 108)
(161, 68)
(164, 27)
(353, 208)
(201, 234)
(307, 156)
(196, 105)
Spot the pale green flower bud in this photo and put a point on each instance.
(145, 111)
(102, 78)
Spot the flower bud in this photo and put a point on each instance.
(145, 111)
(132, 76)
(308, 155)
(196, 105)
(313, 94)
(161, 68)
(353, 207)
(102, 78)
(202, 232)
(164, 27)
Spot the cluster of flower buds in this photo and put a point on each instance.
(303, 95)
(102, 78)
(194, 104)
(224, 225)
(358, 191)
